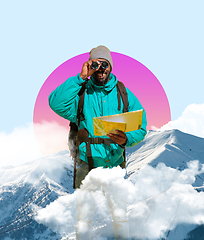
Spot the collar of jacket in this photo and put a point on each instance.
(108, 86)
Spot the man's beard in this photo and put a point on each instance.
(101, 77)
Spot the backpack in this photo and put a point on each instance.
(76, 136)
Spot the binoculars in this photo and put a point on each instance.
(104, 65)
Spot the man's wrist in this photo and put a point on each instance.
(124, 144)
(84, 77)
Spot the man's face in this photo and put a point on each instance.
(101, 76)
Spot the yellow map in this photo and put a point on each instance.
(125, 122)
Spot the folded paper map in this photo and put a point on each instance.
(125, 122)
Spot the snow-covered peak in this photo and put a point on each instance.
(53, 167)
(172, 147)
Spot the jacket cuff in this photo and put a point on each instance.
(130, 140)
(78, 80)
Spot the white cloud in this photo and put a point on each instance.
(18, 147)
(158, 200)
(23, 145)
(51, 137)
(191, 121)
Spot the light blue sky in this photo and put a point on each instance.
(38, 36)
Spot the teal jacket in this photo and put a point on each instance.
(98, 101)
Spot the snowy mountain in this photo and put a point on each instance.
(173, 148)
(38, 183)
(164, 189)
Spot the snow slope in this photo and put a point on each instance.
(173, 148)
(38, 182)
(165, 201)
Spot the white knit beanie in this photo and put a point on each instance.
(101, 52)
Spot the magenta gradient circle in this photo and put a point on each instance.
(138, 78)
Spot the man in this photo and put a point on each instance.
(100, 100)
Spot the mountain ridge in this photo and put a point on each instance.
(42, 181)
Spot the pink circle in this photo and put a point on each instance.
(138, 78)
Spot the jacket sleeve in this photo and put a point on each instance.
(64, 99)
(134, 137)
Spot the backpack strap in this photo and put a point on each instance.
(74, 128)
(90, 141)
(80, 114)
(123, 93)
(121, 90)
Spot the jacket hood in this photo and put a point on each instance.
(108, 86)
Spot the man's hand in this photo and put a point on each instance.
(87, 70)
(119, 137)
